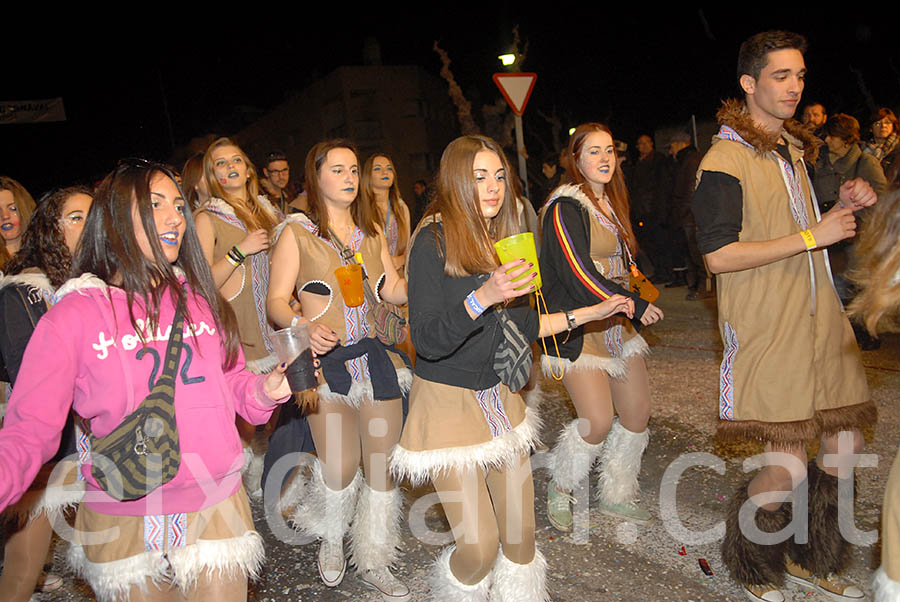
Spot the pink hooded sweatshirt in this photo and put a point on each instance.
(85, 355)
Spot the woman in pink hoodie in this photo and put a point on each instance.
(97, 351)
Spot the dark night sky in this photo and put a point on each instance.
(633, 69)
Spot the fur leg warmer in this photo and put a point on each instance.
(445, 587)
(826, 551)
(326, 513)
(519, 582)
(620, 464)
(251, 473)
(375, 533)
(752, 563)
(572, 457)
(885, 588)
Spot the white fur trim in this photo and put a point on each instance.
(514, 582)
(293, 218)
(498, 453)
(613, 366)
(33, 280)
(534, 398)
(572, 458)
(263, 365)
(86, 281)
(59, 498)
(295, 491)
(445, 587)
(267, 205)
(885, 588)
(251, 473)
(111, 581)
(363, 390)
(323, 512)
(221, 558)
(620, 464)
(375, 533)
(572, 191)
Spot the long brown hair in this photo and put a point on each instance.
(25, 207)
(469, 241)
(363, 214)
(250, 212)
(615, 190)
(109, 250)
(878, 272)
(191, 174)
(367, 196)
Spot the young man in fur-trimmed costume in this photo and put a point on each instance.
(791, 369)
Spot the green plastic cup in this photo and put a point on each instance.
(520, 246)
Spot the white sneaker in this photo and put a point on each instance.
(332, 563)
(381, 579)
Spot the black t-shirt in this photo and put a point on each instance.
(718, 206)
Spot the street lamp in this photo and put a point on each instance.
(507, 59)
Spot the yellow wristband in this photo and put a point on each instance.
(231, 261)
(809, 239)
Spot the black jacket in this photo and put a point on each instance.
(570, 279)
(22, 303)
(451, 347)
(23, 300)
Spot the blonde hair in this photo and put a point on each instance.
(24, 205)
(250, 212)
(878, 271)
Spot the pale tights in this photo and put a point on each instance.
(484, 511)
(775, 482)
(594, 395)
(23, 559)
(342, 433)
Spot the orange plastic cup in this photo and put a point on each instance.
(520, 246)
(350, 280)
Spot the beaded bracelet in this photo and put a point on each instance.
(235, 258)
(476, 307)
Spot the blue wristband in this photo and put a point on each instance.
(476, 307)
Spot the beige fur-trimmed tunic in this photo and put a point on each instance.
(318, 261)
(607, 343)
(791, 368)
(258, 358)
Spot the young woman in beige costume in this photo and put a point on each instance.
(234, 226)
(360, 410)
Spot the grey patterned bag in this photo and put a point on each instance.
(512, 362)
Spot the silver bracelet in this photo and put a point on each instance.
(570, 321)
